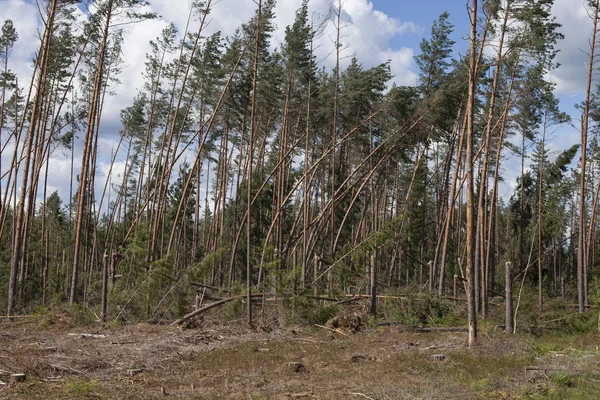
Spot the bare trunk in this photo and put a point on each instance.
(509, 300)
(93, 111)
(581, 259)
(20, 234)
(470, 185)
(249, 166)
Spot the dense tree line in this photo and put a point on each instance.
(252, 169)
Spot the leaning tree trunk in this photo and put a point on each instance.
(251, 135)
(93, 111)
(483, 188)
(20, 234)
(581, 259)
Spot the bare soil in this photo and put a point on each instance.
(230, 361)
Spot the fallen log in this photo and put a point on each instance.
(353, 299)
(202, 285)
(208, 296)
(87, 335)
(210, 306)
(22, 316)
(425, 329)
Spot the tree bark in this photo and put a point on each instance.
(249, 174)
(470, 239)
(20, 233)
(581, 259)
(508, 297)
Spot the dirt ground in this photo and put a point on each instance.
(217, 361)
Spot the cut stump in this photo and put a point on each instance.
(16, 378)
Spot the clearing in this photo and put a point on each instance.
(214, 360)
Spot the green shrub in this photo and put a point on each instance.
(233, 309)
(80, 386)
(563, 379)
(422, 311)
(321, 314)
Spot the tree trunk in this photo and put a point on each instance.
(470, 193)
(581, 259)
(508, 296)
(94, 108)
(20, 234)
(249, 166)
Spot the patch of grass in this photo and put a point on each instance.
(563, 379)
(541, 349)
(80, 386)
(481, 366)
(577, 389)
(480, 384)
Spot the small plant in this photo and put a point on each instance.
(372, 322)
(422, 311)
(543, 349)
(321, 314)
(563, 379)
(233, 309)
(81, 316)
(80, 386)
(480, 384)
(40, 310)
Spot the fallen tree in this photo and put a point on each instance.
(211, 305)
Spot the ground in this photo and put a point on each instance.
(214, 360)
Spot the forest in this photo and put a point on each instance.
(254, 173)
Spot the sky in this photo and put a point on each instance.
(374, 31)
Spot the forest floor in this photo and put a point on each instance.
(229, 361)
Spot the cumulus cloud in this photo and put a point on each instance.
(366, 34)
(24, 16)
(573, 57)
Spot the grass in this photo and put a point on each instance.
(80, 386)
(227, 360)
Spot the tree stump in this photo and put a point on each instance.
(16, 378)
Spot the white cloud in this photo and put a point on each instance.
(366, 34)
(573, 58)
(366, 31)
(24, 16)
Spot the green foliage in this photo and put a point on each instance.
(303, 310)
(433, 60)
(8, 37)
(480, 384)
(202, 269)
(545, 348)
(388, 176)
(564, 379)
(80, 386)
(234, 309)
(421, 311)
(81, 315)
(321, 314)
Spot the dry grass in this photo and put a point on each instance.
(228, 361)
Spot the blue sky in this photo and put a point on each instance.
(423, 13)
